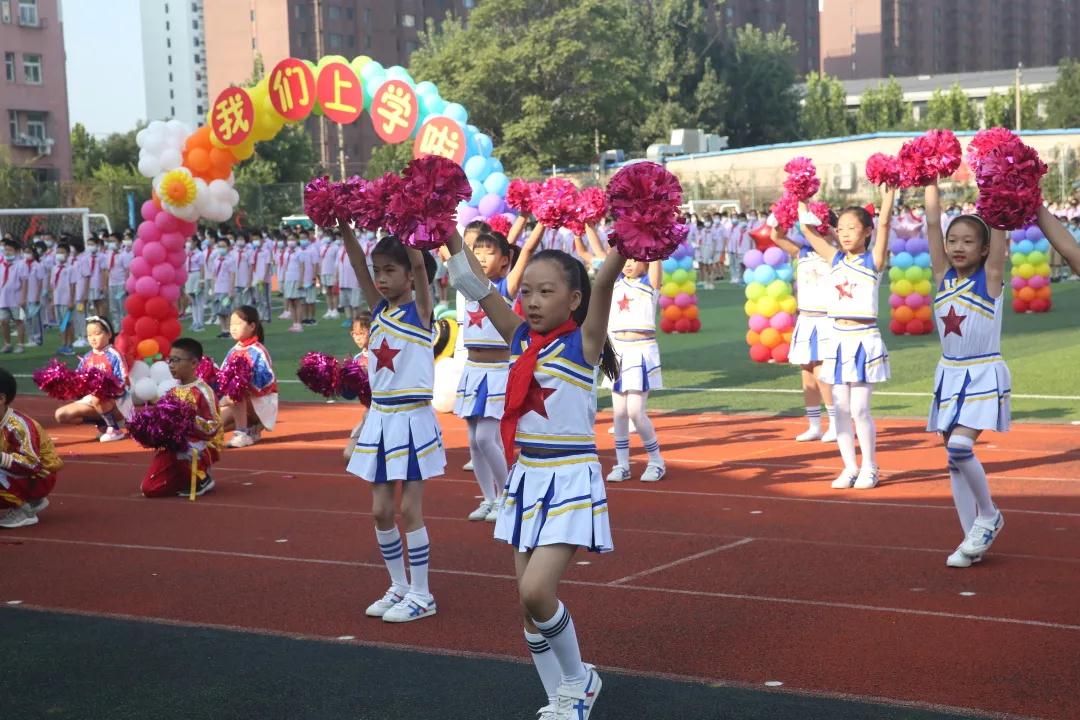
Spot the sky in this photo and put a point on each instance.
(103, 43)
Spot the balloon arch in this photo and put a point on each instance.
(192, 176)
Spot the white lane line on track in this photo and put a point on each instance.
(681, 561)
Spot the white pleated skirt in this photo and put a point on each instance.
(810, 340)
(856, 354)
(639, 366)
(399, 443)
(482, 390)
(973, 393)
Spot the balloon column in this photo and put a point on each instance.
(1030, 270)
(770, 304)
(678, 293)
(910, 280)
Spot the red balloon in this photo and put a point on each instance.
(695, 325)
(135, 305)
(682, 325)
(157, 307)
(762, 237)
(1040, 305)
(914, 327)
(667, 326)
(170, 329)
(164, 345)
(760, 353)
(127, 325)
(123, 344)
(897, 328)
(780, 352)
(1019, 305)
(146, 327)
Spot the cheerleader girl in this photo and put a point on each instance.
(400, 439)
(810, 339)
(632, 324)
(108, 414)
(247, 418)
(972, 384)
(857, 358)
(555, 497)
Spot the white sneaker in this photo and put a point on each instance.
(982, 535)
(36, 506)
(845, 480)
(829, 436)
(482, 511)
(546, 713)
(111, 435)
(17, 517)
(575, 702)
(326, 315)
(653, 473)
(867, 479)
(19, 349)
(285, 315)
(959, 560)
(387, 601)
(467, 466)
(80, 343)
(812, 433)
(240, 440)
(496, 508)
(412, 607)
(619, 473)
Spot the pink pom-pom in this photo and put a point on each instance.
(786, 210)
(592, 205)
(644, 199)
(519, 195)
(320, 200)
(882, 169)
(58, 381)
(234, 377)
(500, 224)
(985, 141)
(555, 203)
(917, 168)
(99, 383)
(946, 151)
(368, 201)
(354, 383)
(802, 180)
(1008, 180)
(422, 207)
(319, 373)
(166, 425)
(820, 209)
(207, 371)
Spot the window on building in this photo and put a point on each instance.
(253, 45)
(408, 20)
(197, 58)
(172, 95)
(367, 42)
(469, 4)
(5, 11)
(253, 15)
(198, 77)
(334, 41)
(349, 13)
(166, 26)
(194, 24)
(367, 16)
(199, 110)
(333, 12)
(13, 124)
(195, 41)
(172, 110)
(35, 125)
(194, 7)
(351, 40)
(9, 66)
(170, 77)
(168, 42)
(166, 8)
(170, 59)
(32, 68)
(296, 11)
(410, 46)
(28, 14)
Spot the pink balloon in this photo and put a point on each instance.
(187, 229)
(138, 246)
(147, 286)
(149, 210)
(781, 321)
(181, 276)
(665, 301)
(148, 232)
(895, 301)
(915, 301)
(172, 241)
(130, 285)
(170, 293)
(683, 300)
(140, 267)
(1037, 281)
(177, 259)
(154, 252)
(164, 273)
(1018, 282)
(166, 222)
(758, 323)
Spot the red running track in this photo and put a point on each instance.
(742, 566)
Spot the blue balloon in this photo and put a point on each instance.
(372, 69)
(471, 129)
(478, 192)
(764, 274)
(1042, 245)
(455, 111)
(427, 88)
(922, 260)
(785, 273)
(687, 263)
(902, 260)
(476, 168)
(748, 276)
(436, 105)
(1025, 247)
(396, 72)
(496, 183)
(483, 144)
(670, 265)
(496, 164)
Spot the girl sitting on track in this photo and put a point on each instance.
(972, 383)
(400, 439)
(109, 415)
(247, 418)
(857, 358)
(555, 497)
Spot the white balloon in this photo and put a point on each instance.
(148, 166)
(145, 390)
(447, 376)
(159, 372)
(166, 385)
(139, 371)
(170, 158)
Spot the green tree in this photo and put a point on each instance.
(389, 158)
(290, 154)
(824, 109)
(883, 108)
(121, 148)
(997, 111)
(1063, 97)
(1000, 111)
(763, 105)
(85, 153)
(952, 109)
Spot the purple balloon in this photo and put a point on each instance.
(467, 214)
(1034, 233)
(897, 245)
(917, 245)
(753, 258)
(775, 257)
(1018, 235)
(490, 204)
(665, 301)
(164, 273)
(170, 293)
(154, 253)
(147, 287)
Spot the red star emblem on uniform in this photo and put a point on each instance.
(843, 290)
(385, 356)
(952, 322)
(476, 317)
(535, 399)
(624, 304)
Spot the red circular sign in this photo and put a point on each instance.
(232, 116)
(292, 89)
(340, 93)
(394, 111)
(441, 136)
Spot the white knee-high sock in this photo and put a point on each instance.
(546, 664)
(845, 438)
(864, 424)
(635, 405)
(963, 499)
(831, 410)
(480, 468)
(813, 417)
(393, 556)
(621, 422)
(490, 454)
(962, 454)
(559, 631)
(419, 549)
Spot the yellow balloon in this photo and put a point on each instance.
(1026, 270)
(750, 308)
(789, 305)
(903, 288)
(778, 289)
(359, 62)
(754, 291)
(768, 306)
(1043, 269)
(688, 287)
(244, 150)
(923, 287)
(327, 59)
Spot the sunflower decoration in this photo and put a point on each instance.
(178, 192)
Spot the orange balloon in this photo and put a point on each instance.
(156, 200)
(221, 163)
(198, 139)
(147, 348)
(923, 313)
(673, 313)
(1043, 293)
(770, 337)
(690, 312)
(903, 314)
(787, 336)
(752, 338)
(197, 160)
(1027, 294)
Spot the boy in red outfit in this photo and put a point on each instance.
(28, 462)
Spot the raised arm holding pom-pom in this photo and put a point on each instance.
(939, 260)
(360, 267)
(1060, 238)
(881, 241)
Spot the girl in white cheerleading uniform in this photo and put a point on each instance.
(555, 497)
(810, 339)
(632, 329)
(856, 359)
(400, 439)
(972, 384)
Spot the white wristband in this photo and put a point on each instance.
(465, 280)
(809, 219)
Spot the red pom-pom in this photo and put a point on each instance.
(555, 203)
(500, 224)
(760, 353)
(423, 206)
(99, 383)
(802, 180)
(592, 205)
(946, 151)
(58, 381)
(319, 373)
(644, 199)
(207, 371)
(985, 141)
(786, 211)
(368, 202)
(1008, 180)
(320, 200)
(519, 195)
(354, 382)
(234, 376)
(882, 169)
(917, 168)
(820, 209)
(166, 425)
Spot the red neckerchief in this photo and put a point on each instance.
(249, 342)
(519, 380)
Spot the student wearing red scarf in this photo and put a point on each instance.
(555, 498)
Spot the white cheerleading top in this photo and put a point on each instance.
(401, 364)
(566, 396)
(812, 282)
(478, 330)
(633, 305)
(968, 319)
(852, 287)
